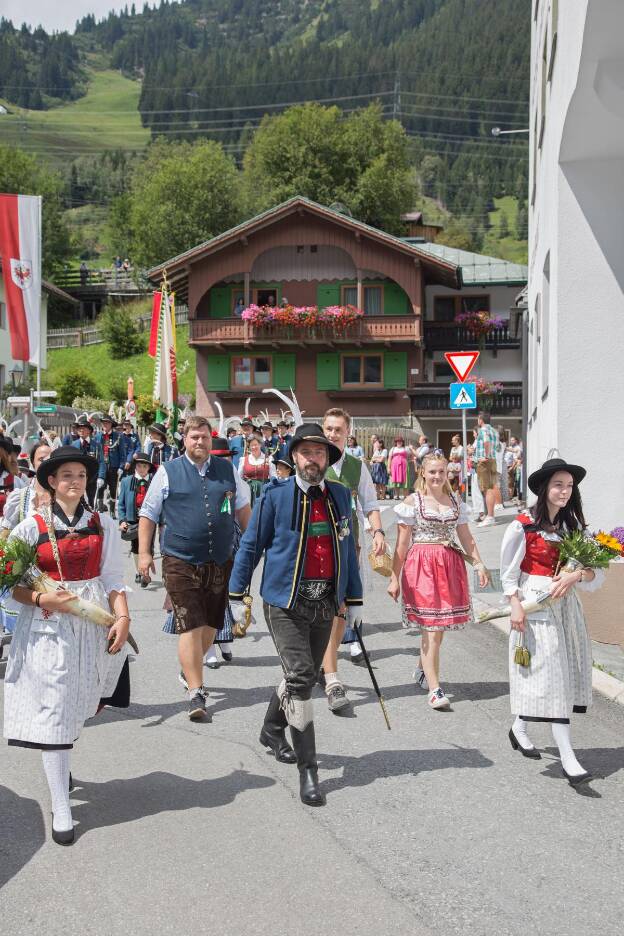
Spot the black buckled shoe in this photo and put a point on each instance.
(273, 734)
(66, 837)
(577, 780)
(533, 753)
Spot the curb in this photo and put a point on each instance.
(603, 683)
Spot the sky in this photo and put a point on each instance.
(59, 16)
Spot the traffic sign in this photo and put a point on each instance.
(130, 408)
(462, 362)
(18, 400)
(41, 394)
(463, 396)
(45, 408)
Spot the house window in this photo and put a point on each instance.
(443, 372)
(445, 308)
(265, 297)
(372, 298)
(3, 323)
(362, 370)
(251, 372)
(237, 295)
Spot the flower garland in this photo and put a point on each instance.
(339, 318)
(488, 388)
(479, 323)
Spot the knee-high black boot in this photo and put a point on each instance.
(305, 749)
(273, 732)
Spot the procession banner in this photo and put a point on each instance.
(165, 371)
(153, 339)
(20, 247)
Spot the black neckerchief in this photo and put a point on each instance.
(60, 513)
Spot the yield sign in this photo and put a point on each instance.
(462, 362)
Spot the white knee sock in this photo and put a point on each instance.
(331, 680)
(520, 730)
(56, 766)
(563, 740)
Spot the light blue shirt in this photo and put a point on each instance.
(159, 491)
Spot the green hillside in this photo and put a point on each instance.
(96, 360)
(106, 118)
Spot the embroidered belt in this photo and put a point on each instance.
(315, 589)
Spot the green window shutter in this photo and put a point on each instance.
(327, 371)
(327, 294)
(220, 302)
(395, 370)
(218, 372)
(396, 301)
(284, 371)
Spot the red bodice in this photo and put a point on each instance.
(255, 472)
(319, 554)
(6, 486)
(140, 494)
(80, 552)
(541, 555)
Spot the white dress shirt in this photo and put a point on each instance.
(159, 491)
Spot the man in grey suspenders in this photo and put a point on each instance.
(353, 474)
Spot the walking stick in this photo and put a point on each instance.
(358, 631)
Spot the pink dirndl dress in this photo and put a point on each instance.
(398, 466)
(434, 583)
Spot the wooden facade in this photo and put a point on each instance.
(309, 255)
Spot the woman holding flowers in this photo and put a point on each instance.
(555, 679)
(62, 667)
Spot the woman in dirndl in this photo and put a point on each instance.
(256, 468)
(558, 679)
(397, 462)
(63, 668)
(429, 570)
(378, 467)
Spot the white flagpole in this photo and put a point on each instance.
(39, 352)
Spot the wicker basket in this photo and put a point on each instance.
(381, 564)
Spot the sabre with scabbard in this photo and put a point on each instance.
(357, 627)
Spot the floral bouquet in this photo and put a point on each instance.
(576, 550)
(18, 566)
(479, 323)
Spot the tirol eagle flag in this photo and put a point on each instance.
(20, 248)
(162, 348)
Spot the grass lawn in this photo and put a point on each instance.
(509, 247)
(96, 360)
(107, 117)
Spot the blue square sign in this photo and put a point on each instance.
(463, 395)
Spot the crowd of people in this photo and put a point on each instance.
(302, 499)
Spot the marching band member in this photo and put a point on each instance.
(303, 527)
(61, 668)
(132, 493)
(129, 443)
(109, 440)
(558, 680)
(157, 448)
(256, 468)
(89, 445)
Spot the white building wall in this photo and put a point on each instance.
(576, 263)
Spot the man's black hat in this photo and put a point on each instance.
(551, 467)
(142, 457)
(312, 432)
(63, 456)
(220, 447)
(83, 423)
(160, 428)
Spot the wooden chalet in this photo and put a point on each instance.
(310, 255)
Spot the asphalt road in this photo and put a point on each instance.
(436, 827)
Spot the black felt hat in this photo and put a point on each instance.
(312, 432)
(63, 456)
(83, 423)
(142, 458)
(549, 468)
(283, 460)
(220, 447)
(160, 428)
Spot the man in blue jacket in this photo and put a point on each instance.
(302, 526)
(87, 443)
(129, 443)
(109, 440)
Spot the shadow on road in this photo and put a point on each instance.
(22, 832)
(457, 692)
(601, 762)
(118, 801)
(360, 771)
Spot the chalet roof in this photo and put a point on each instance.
(477, 269)
(443, 266)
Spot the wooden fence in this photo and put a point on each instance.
(92, 334)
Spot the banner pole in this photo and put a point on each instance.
(40, 349)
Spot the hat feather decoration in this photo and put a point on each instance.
(292, 404)
(221, 429)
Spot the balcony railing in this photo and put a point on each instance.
(430, 399)
(233, 331)
(446, 336)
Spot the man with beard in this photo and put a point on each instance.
(302, 525)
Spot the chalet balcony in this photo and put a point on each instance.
(447, 336)
(429, 399)
(378, 329)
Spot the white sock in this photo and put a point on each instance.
(563, 740)
(519, 729)
(210, 655)
(355, 648)
(331, 680)
(192, 692)
(56, 766)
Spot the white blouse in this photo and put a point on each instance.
(408, 511)
(379, 455)
(513, 551)
(111, 569)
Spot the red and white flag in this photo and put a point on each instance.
(20, 248)
(165, 370)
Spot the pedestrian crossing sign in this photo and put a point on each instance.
(463, 395)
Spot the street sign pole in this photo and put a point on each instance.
(465, 455)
